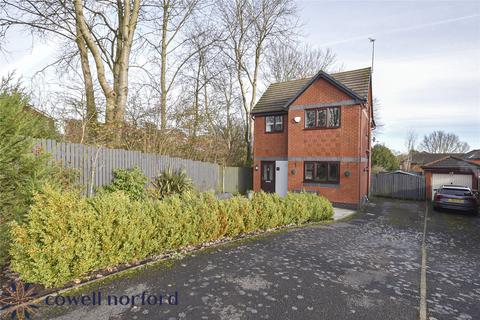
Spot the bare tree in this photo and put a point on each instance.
(225, 115)
(202, 71)
(103, 30)
(114, 51)
(293, 61)
(252, 26)
(443, 142)
(411, 140)
(169, 18)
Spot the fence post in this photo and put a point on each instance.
(223, 178)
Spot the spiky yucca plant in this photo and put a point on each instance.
(171, 182)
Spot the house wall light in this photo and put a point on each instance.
(256, 167)
(297, 119)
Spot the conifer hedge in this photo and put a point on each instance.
(67, 235)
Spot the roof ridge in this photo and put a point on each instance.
(435, 161)
(310, 77)
(451, 157)
(365, 68)
(299, 79)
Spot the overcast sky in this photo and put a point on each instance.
(427, 60)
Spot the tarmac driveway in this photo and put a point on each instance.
(453, 260)
(365, 268)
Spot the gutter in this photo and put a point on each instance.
(360, 149)
(267, 113)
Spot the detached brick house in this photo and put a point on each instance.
(314, 134)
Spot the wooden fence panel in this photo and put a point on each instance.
(397, 185)
(95, 166)
(237, 179)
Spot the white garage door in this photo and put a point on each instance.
(440, 179)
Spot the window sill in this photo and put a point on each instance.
(321, 184)
(272, 132)
(322, 128)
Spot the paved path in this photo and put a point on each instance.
(367, 267)
(342, 213)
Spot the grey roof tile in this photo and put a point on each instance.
(279, 94)
(472, 155)
(451, 162)
(423, 157)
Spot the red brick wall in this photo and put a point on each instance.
(342, 141)
(344, 192)
(321, 91)
(364, 140)
(428, 184)
(256, 176)
(272, 144)
(267, 145)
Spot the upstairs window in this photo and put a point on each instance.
(323, 172)
(322, 118)
(274, 123)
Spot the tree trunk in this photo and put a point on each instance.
(249, 120)
(91, 117)
(196, 111)
(229, 124)
(163, 67)
(248, 138)
(116, 97)
(93, 47)
(128, 24)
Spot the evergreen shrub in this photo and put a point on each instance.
(67, 235)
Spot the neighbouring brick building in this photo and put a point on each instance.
(314, 134)
(418, 159)
(452, 170)
(462, 169)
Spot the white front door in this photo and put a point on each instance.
(281, 177)
(440, 179)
